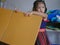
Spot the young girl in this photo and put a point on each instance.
(39, 8)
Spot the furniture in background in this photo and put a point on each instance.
(54, 36)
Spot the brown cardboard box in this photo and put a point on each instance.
(17, 29)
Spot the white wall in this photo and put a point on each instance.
(23, 5)
(26, 5)
(53, 4)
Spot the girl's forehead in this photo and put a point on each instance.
(40, 3)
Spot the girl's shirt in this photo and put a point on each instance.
(43, 26)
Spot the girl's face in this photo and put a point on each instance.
(40, 7)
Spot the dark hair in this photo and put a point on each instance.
(36, 3)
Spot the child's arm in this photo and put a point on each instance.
(44, 15)
(37, 13)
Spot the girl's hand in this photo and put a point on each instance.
(28, 13)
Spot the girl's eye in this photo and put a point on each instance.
(43, 7)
